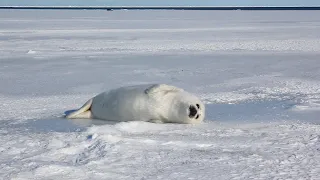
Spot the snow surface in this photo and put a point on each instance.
(257, 71)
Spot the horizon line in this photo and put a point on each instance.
(217, 8)
(151, 6)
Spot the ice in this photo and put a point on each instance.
(258, 73)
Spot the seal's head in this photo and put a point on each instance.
(176, 105)
(186, 108)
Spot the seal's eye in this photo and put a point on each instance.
(198, 106)
(197, 116)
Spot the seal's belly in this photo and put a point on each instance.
(123, 105)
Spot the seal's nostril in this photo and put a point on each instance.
(192, 111)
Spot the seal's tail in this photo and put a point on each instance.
(82, 113)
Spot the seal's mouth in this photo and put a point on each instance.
(192, 111)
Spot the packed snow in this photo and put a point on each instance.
(257, 72)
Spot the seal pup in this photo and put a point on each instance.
(157, 103)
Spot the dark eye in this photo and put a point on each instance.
(197, 116)
(198, 106)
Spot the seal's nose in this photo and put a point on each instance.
(192, 111)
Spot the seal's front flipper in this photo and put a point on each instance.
(82, 113)
(157, 121)
(161, 89)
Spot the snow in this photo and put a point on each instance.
(258, 73)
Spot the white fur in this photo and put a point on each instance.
(159, 103)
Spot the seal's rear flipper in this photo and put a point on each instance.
(82, 113)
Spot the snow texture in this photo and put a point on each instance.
(258, 73)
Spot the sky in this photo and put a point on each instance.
(160, 3)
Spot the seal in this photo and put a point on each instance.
(157, 103)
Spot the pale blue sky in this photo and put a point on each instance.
(160, 2)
